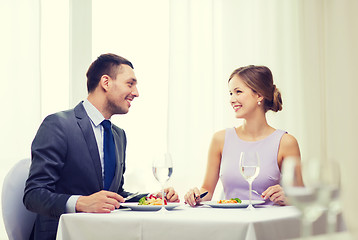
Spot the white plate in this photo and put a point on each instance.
(243, 204)
(136, 207)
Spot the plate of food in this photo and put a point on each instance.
(232, 203)
(150, 203)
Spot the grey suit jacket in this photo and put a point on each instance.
(65, 162)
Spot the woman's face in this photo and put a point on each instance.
(243, 100)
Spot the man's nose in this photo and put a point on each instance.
(135, 92)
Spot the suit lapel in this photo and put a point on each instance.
(84, 123)
(120, 161)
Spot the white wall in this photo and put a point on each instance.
(341, 38)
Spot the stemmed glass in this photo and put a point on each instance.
(329, 192)
(162, 169)
(301, 183)
(249, 168)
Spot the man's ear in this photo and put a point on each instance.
(104, 82)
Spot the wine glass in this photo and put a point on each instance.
(301, 183)
(329, 192)
(249, 168)
(162, 169)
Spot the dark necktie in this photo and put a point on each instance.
(109, 154)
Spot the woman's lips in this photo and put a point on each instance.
(236, 107)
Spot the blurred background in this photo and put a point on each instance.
(183, 52)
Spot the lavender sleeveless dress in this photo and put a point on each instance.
(233, 183)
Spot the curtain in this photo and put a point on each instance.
(208, 40)
(20, 81)
(310, 46)
(20, 70)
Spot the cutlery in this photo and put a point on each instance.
(201, 195)
(131, 196)
(254, 191)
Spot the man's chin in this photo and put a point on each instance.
(122, 111)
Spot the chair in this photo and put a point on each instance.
(17, 219)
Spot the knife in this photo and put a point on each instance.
(129, 197)
(201, 195)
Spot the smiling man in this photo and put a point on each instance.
(78, 156)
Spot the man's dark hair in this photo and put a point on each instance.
(106, 64)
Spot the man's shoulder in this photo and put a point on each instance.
(118, 129)
(61, 116)
(69, 114)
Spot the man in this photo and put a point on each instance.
(70, 170)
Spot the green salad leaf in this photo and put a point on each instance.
(237, 199)
(143, 201)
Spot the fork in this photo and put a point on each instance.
(254, 191)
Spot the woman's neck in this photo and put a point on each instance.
(255, 129)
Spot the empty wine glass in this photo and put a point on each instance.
(329, 192)
(249, 168)
(301, 183)
(162, 169)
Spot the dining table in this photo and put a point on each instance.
(185, 222)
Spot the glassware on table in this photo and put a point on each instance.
(330, 183)
(301, 183)
(162, 170)
(249, 168)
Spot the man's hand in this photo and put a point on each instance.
(170, 195)
(99, 202)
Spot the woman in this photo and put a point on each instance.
(252, 94)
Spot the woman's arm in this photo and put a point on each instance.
(288, 148)
(212, 170)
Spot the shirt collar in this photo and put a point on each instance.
(93, 113)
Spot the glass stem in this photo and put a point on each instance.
(306, 228)
(250, 191)
(162, 196)
(331, 222)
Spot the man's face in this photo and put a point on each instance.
(122, 90)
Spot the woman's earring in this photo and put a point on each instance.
(259, 103)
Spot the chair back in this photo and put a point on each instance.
(17, 219)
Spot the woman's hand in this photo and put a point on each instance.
(192, 197)
(275, 194)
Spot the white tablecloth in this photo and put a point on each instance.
(183, 223)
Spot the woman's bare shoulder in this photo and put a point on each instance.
(219, 134)
(218, 139)
(289, 145)
(288, 140)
